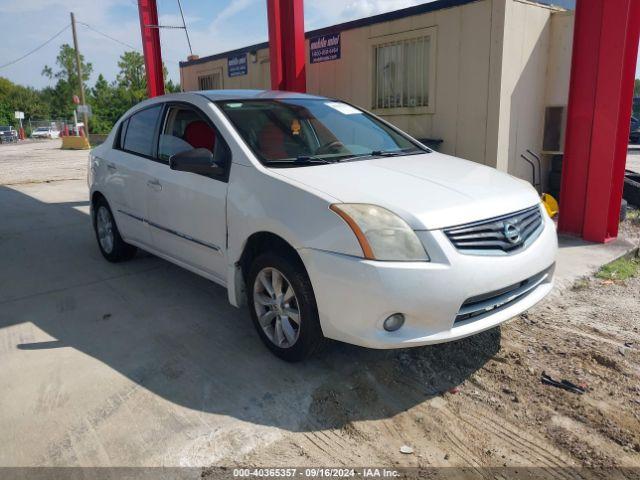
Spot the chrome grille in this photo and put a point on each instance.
(506, 233)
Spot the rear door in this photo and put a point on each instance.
(128, 165)
(187, 211)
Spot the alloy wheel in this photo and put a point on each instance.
(276, 307)
(104, 224)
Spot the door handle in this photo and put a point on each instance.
(111, 166)
(154, 185)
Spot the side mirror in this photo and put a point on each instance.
(198, 160)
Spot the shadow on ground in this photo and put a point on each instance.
(174, 334)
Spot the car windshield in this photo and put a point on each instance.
(313, 131)
(4, 128)
(42, 129)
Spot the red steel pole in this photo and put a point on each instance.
(275, 45)
(287, 50)
(605, 48)
(148, 11)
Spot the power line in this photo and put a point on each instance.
(35, 49)
(107, 36)
(115, 39)
(184, 24)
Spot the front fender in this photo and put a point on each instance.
(262, 201)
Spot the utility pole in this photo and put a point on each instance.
(79, 68)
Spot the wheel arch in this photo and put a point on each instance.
(256, 244)
(96, 196)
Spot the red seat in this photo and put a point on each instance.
(271, 142)
(200, 135)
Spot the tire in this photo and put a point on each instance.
(110, 243)
(293, 341)
(631, 191)
(623, 210)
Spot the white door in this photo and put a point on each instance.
(127, 174)
(187, 211)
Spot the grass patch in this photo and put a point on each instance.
(633, 215)
(621, 269)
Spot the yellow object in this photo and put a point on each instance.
(295, 127)
(550, 204)
(75, 143)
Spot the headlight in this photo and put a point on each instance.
(381, 234)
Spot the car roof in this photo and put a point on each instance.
(217, 95)
(221, 95)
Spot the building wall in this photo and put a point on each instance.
(490, 76)
(559, 64)
(536, 63)
(522, 93)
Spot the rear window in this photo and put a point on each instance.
(140, 131)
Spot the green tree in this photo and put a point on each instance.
(108, 100)
(26, 99)
(66, 62)
(132, 73)
(102, 100)
(170, 87)
(133, 77)
(636, 88)
(60, 96)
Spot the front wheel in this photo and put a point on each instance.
(283, 307)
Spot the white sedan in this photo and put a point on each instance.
(328, 221)
(45, 132)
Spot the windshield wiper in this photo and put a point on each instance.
(300, 160)
(309, 159)
(386, 153)
(392, 153)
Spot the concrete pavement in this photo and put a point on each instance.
(134, 364)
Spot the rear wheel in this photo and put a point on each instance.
(283, 307)
(111, 245)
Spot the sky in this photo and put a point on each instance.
(214, 26)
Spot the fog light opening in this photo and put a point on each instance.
(393, 322)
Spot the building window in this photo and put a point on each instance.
(402, 73)
(209, 82)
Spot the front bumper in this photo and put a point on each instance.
(354, 295)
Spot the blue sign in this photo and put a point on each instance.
(324, 48)
(237, 65)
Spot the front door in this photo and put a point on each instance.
(187, 211)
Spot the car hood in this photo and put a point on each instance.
(430, 191)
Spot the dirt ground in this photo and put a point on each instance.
(480, 402)
(33, 161)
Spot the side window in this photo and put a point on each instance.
(139, 137)
(185, 129)
(122, 130)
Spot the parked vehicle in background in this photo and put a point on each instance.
(634, 132)
(325, 219)
(45, 132)
(8, 134)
